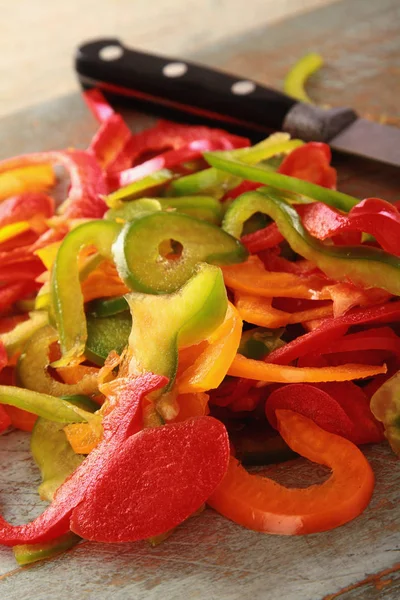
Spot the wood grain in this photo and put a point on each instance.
(210, 557)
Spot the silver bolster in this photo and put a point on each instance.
(312, 123)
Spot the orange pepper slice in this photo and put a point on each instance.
(259, 311)
(262, 371)
(104, 281)
(191, 405)
(261, 504)
(72, 374)
(251, 277)
(212, 364)
(82, 437)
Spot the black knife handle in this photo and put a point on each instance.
(184, 85)
(205, 92)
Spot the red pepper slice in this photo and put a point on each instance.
(338, 407)
(311, 162)
(26, 206)
(109, 144)
(242, 188)
(87, 188)
(167, 160)
(166, 135)
(263, 239)
(332, 329)
(98, 105)
(373, 215)
(119, 464)
(124, 420)
(150, 501)
(262, 504)
(12, 292)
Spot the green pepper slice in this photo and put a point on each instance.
(258, 173)
(15, 339)
(107, 334)
(201, 207)
(139, 188)
(43, 405)
(33, 363)
(106, 307)
(143, 268)
(134, 209)
(161, 324)
(67, 298)
(26, 554)
(257, 343)
(362, 265)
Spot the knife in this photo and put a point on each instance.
(211, 95)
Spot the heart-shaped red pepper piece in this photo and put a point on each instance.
(154, 481)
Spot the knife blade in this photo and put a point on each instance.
(189, 88)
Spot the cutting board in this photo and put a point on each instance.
(209, 557)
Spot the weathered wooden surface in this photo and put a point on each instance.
(209, 557)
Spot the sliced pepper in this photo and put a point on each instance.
(30, 178)
(146, 186)
(328, 410)
(42, 405)
(200, 207)
(373, 216)
(190, 315)
(34, 361)
(25, 207)
(26, 554)
(67, 298)
(311, 162)
(15, 339)
(251, 277)
(333, 329)
(261, 504)
(259, 311)
(87, 188)
(211, 366)
(362, 265)
(107, 334)
(261, 371)
(385, 405)
(258, 173)
(297, 76)
(153, 273)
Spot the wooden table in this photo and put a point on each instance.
(209, 557)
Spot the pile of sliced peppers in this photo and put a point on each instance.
(199, 305)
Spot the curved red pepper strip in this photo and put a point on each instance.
(373, 215)
(332, 329)
(87, 188)
(166, 135)
(381, 338)
(12, 292)
(166, 160)
(311, 162)
(24, 253)
(146, 482)
(340, 409)
(356, 404)
(26, 206)
(242, 188)
(122, 422)
(109, 144)
(263, 239)
(98, 105)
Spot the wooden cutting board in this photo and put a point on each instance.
(209, 557)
